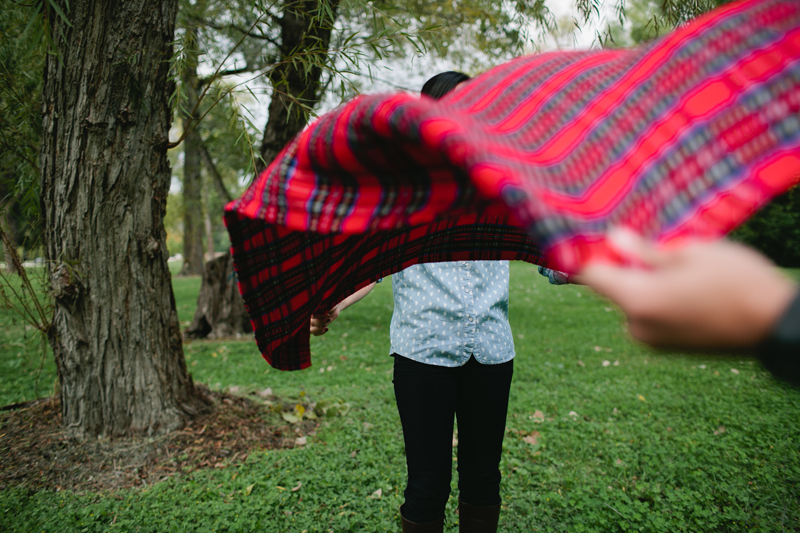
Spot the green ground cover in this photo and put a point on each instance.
(603, 435)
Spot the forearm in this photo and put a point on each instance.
(355, 297)
(319, 322)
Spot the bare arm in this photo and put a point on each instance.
(319, 323)
(705, 295)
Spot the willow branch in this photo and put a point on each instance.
(212, 168)
(193, 123)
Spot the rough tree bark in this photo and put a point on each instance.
(105, 178)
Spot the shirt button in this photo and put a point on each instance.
(464, 263)
(469, 318)
(466, 289)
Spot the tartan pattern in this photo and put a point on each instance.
(286, 275)
(683, 138)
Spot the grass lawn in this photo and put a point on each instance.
(602, 435)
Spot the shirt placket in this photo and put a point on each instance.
(469, 320)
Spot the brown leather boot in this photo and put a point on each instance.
(477, 518)
(437, 526)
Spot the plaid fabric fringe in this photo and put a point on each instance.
(683, 138)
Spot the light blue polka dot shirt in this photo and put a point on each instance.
(446, 312)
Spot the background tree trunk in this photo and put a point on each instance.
(301, 29)
(105, 179)
(8, 224)
(220, 309)
(192, 183)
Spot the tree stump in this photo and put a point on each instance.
(220, 309)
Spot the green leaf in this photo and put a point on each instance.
(61, 14)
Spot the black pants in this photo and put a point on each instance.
(427, 397)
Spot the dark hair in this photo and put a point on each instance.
(443, 83)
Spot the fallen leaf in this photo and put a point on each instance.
(295, 489)
(343, 357)
(287, 513)
(300, 441)
(354, 453)
(234, 389)
(606, 363)
(249, 489)
(616, 363)
(720, 430)
(455, 439)
(581, 363)
(289, 417)
(702, 367)
(619, 461)
(538, 415)
(573, 413)
(376, 495)
(533, 438)
(597, 348)
(642, 398)
(266, 393)
(734, 371)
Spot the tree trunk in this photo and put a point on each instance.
(8, 224)
(301, 29)
(219, 303)
(220, 309)
(105, 178)
(209, 227)
(192, 186)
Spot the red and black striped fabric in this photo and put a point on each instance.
(683, 138)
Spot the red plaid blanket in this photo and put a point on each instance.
(683, 138)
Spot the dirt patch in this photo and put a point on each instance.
(36, 453)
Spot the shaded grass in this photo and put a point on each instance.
(648, 442)
(27, 368)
